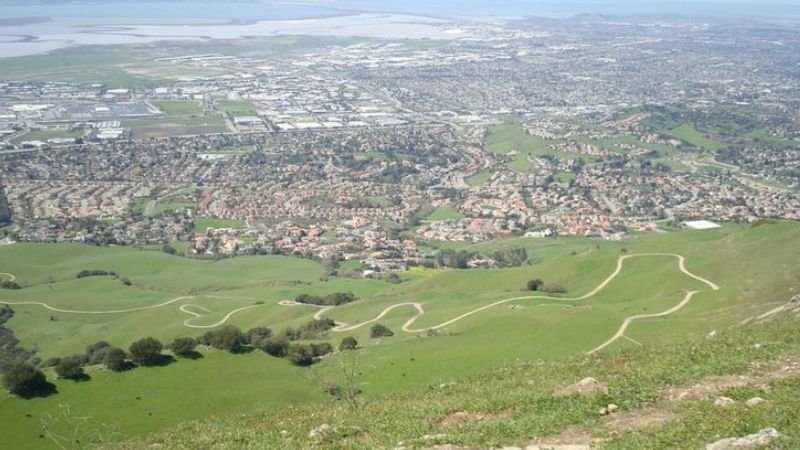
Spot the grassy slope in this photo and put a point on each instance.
(756, 268)
(141, 400)
(689, 134)
(517, 403)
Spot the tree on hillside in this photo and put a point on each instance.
(24, 380)
(229, 338)
(348, 343)
(96, 352)
(378, 331)
(275, 346)
(5, 209)
(116, 359)
(301, 355)
(255, 336)
(147, 351)
(534, 285)
(71, 368)
(183, 346)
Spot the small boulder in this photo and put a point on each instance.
(724, 402)
(610, 409)
(320, 431)
(755, 401)
(587, 385)
(762, 438)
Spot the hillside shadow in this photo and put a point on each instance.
(193, 355)
(160, 361)
(44, 390)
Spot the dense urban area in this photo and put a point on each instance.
(371, 150)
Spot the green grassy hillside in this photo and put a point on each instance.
(755, 267)
(665, 394)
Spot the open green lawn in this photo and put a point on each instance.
(175, 126)
(179, 107)
(45, 135)
(512, 139)
(203, 224)
(141, 400)
(237, 107)
(756, 268)
(445, 213)
(480, 178)
(689, 134)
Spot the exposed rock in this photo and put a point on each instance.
(610, 409)
(763, 437)
(585, 386)
(320, 431)
(755, 401)
(724, 401)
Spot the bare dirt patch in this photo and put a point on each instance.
(585, 386)
(462, 417)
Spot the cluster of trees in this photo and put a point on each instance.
(10, 351)
(5, 209)
(26, 380)
(511, 257)
(379, 331)
(103, 273)
(335, 299)
(95, 273)
(459, 259)
(9, 285)
(540, 286)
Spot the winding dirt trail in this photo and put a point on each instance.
(407, 326)
(418, 307)
(183, 308)
(10, 276)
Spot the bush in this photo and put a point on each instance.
(534, 285)
(276, 346)
(26, 381)
(254, 336)
(116, 359)
(378, 331)
(335, 299)
(321, 349)
(71, 367)
(348, 343)
(301, 355)
(96, 352)
(183, 346)
(146, 352)
(95, 273)
(9, 285)
(228, 338)
(553, 288)
(50, 362)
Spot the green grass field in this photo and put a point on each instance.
(512, 139)
(45, 135)
(756, 268)
(445, 213)
(203, 224)
(179, 107)
(689, 134)
(480, 179)
(237, 108)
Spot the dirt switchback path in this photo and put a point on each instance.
(420, 310)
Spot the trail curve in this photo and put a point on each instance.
(407, 326)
